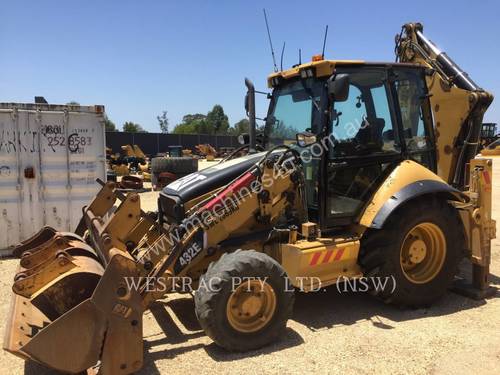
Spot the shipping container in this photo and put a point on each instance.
(50, 157)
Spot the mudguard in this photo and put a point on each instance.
(407, 181)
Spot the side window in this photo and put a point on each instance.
(411, 95)
(415, 115)
(363, 125)
(383, 114)
(349, 115)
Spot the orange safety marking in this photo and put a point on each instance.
(327, 256)
(338, 255)
(315, 258)
(486, 176)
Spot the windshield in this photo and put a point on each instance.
(294, 109)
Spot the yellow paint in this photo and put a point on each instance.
(491, 151)
(450, 107)
(404, 174)
(297, 261)
(322, 68)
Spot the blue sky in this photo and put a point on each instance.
(141, 57)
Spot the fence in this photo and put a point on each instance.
(154, 143)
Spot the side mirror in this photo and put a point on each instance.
(305, 139)
(338, 87)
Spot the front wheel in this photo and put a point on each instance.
(244, 300)
(419, 248)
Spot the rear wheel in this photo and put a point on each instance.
(244, 300)
(419, 249)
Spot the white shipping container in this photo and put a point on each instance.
(50, 157)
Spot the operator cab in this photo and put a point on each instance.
(366, 118)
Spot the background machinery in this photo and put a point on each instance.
(380, 181)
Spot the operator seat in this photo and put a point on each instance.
(370, 134)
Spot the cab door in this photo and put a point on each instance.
(364, 145)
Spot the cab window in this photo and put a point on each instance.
(415, 115)
(365, 143)
(363, 124)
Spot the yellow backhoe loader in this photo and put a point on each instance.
(370, 171)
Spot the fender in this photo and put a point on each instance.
(407, 181)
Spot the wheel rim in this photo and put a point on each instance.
(423, 252)
(251, 306)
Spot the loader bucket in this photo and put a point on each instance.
(72, 307)
(44, 235)
(69, 313)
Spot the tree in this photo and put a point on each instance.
(191, 124)
(217, 120)
(72, 103)
(132, 127)
(109, 125)
(185, 128)
(240, 127)
(214, 122)
(190, 118)
(163, 122)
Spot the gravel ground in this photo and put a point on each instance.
(328, 333)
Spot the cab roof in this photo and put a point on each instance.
(320, 67)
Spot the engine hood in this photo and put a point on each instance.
(176, 194)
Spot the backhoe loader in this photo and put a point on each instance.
(369, 171)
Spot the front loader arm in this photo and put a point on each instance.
(458, 103)
(89, 300)
(246, 203)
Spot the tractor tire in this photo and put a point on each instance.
(419, 249)
(175, 165)
(249, 315)
(131, 182)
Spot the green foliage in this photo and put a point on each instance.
(185, 128)
(109, 125)
(132, 127)
(163, 122)
(217, 120)
(240, 127)
(283, 131)
(214, 122)
(190, 118)
(191, 124)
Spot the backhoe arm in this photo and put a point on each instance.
(458, 103)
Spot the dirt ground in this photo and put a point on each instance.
(329, 333)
